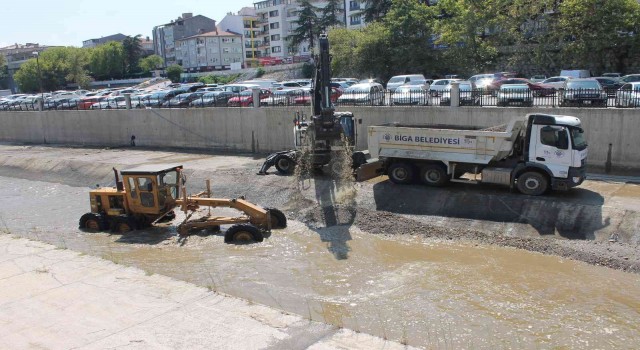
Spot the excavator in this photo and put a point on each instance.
(326, 135)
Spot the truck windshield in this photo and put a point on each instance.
(578, 139)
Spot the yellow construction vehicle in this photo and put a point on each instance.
(148, 194)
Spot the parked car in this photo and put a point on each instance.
(371, 81)
(245, 98)
(237, 88)
(182, 100)
(410, 95)
(108, 103)
(158, 98)
(209, 89)
(86, 102)
(439, 85)
(538, 89)
(213, 99)
(469, 95)
(578, 92)
(305, 99)
(556, 82)
(284, 97)
(400, 80)
(518, 94)
(630, 78)
(481, 81)
(628, 95)
(363, 94)
(538, 78)
(575, 73)
(610, 85)
(615, 76)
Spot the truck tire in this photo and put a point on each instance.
(401, 173)
(243, 233)
(285, 165)
(532, 183)
(124, 224)
(434, 175)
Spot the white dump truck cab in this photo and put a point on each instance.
(535, 154)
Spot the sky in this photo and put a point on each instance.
(70, 22)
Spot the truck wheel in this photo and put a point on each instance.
(243, 233)
(532, 183)
(92, 222)
(401, 173)
(434, 175)
(278, 219)
(123, 224)
(285, 165)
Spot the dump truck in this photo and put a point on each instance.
(533, 154)
(148, 194)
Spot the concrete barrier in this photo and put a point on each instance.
(262, 130)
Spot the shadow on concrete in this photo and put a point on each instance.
(576, 214)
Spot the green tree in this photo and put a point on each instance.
(344, 43)
(132, 52)
(332, 15)
(107, 61)
(375, 10)
(600, 34)
(173, 73)
(150, 63)
(307, 25)
(59, 67)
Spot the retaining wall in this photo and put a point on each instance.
(271, 129)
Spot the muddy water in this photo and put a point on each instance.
(427, 293)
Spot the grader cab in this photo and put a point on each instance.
(149, 194)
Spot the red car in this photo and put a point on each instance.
(538, 89)
(86, 102)
(306, 99)
(245, 98)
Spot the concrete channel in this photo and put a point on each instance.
(372, 257)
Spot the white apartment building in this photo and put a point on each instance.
(210, 51)
(246, 23)
(353, 11)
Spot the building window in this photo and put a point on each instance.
(275, 25)
(225, 50)
(355, 20)
(273, 13)
(275, 37)
(226, 40)
(226, 60)
(276, 49)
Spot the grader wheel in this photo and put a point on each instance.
(92, 222)
(123, 224)
(278, 219)
(243, 234)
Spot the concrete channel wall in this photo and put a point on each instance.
(270, 129)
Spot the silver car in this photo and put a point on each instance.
(628, 95)
(411, 95)
(518, 94)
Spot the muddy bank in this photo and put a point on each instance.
(597, 223)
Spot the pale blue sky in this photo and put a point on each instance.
(69, 22)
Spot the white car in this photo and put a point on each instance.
(109, 103)
(628, 95)
(556, 82)
(400, 80)
(283, 97)
(371, 94)
(440, 85)
(410, 95)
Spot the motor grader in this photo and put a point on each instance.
(149, 194)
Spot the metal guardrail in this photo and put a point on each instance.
(475, 98)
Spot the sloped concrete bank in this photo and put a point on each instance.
(612, 133)
(598, 223)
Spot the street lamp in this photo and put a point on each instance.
(37, 54)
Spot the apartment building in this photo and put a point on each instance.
(245, 22)
(100, 41)
(187, 25)
(18, 54)
(353, 14)
(210, 51)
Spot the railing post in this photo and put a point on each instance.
(256, 97)
(40, 104)
(454, 94)
(127, 100)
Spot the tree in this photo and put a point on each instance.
(375, 10)
(78, 61)
(59, 67)
(174, 72)
(107, 61)
(150, 63)
(332, 14)
(306, 25)
(601, 34)
(132, 53)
